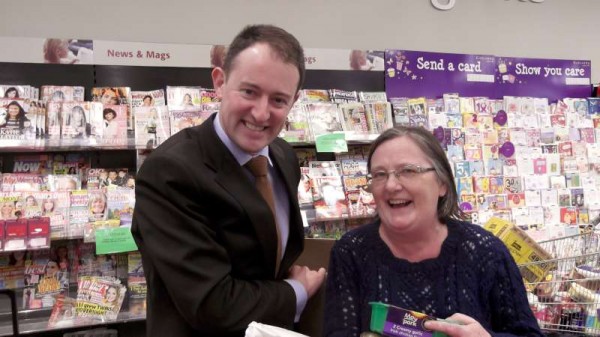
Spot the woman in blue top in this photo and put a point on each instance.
(419, 255)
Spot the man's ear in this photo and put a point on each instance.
(218, 78)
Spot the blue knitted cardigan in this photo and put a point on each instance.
(473, 275)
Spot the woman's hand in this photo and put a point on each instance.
(461, 326)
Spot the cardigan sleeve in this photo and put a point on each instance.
(343, 310)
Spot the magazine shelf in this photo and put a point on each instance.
(125, 154)
(36, 320)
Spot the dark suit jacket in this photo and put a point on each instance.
(208, 238)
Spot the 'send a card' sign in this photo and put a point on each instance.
(415, 74)
(554, 79)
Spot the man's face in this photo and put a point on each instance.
(257, 94)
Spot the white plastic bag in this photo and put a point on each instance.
(263, 330)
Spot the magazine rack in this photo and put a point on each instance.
(149, 78)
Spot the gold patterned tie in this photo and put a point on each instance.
(259, 168)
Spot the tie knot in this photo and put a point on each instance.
(258, 166)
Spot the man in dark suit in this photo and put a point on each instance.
(216, 254)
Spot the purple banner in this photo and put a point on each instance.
(554, 79)
(415, 74)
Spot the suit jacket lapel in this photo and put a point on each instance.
(296, 233)
(231, 176)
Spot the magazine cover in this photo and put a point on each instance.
(136, 285)
(324, 118)
(313, 95)
(148, 98)
(296, 128)
(354, 167)
(374, 96)
(342, 96)
(55, 93)
(325, 168)
(113, 96)
(15, 121)
(354, 117)
(64, 182)
(34, 271)
(22, 182)
(379, 116)
(53, 121)
(32, 163)
(63, 312)
(400, 111)
(90, 228)
(16, 91)
(358, 198)
(78, 213)
(115, 177)
(55, 205)
(151, 126)
(75, 122)
(181, 118)
(120, 204)
(96, 205)
(305, 187)
(329, 197)
(97, 178)
(51, 283)
(114, 129)
(99, 299)
(184, 97)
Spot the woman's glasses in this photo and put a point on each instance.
(402, 174)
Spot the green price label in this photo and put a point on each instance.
(333, 142)
(114, 240)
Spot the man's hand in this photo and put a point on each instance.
(310, 279)
(459, 326)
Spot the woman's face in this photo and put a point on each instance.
(13, 111)
(111, 294)
(8, 209)
(187, 99)
(98, 206)
(11, 94)
(48, 205)
(147, 101)
(51, 268)
(109, 116)
(409, 202)
(109, 97)
(77, 116)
